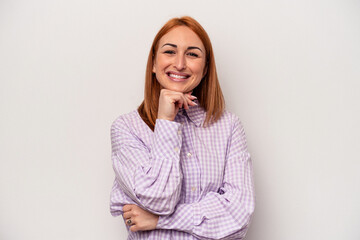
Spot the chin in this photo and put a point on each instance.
(177, 89)
(183, 87)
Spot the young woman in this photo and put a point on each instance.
(182, 169)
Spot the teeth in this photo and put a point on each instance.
(176, 76)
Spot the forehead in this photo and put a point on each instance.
(182, 36)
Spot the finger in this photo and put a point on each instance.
(134, 228)
(178, 100)
(174, 96)
(192, 103)
(127, 208)
(183, 100)
(179, 104)
(190, 99)
(186, 103)
(129, 222)
(127, 215)
(176, 108)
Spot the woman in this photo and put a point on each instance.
(182, 169)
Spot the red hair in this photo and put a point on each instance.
(208, 92)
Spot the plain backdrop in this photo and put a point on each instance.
(288, 69)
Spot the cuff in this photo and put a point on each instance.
(182, 219)
(167, 138)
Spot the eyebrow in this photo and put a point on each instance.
(175, 46)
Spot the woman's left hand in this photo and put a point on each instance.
(140, 219)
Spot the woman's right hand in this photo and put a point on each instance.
(170, 102)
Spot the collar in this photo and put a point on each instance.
(196, 114)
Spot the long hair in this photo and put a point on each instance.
(208, 92)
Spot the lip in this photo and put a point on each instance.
(185, 75)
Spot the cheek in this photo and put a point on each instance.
(161, 62)
(199, 69)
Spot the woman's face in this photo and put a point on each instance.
(180, 60)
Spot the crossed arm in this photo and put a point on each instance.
(220, 215)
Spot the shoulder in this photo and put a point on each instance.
(230, 116)
(230, 119)
(237, 129)
(122, 130)
(129, 125)
(232, 123)
(125, 121)
(130, 128)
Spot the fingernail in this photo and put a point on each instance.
(194, 103)
(193, 97)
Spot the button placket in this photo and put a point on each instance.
(190, 164)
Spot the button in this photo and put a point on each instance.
(188, 154)
(193, 189)
(176, 149)
(179, 132)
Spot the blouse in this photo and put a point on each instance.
(197, 179)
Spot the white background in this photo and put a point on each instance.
(289, 69)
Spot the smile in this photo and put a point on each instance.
(178, 77)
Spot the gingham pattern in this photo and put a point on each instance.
(199, 180)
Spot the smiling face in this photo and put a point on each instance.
(179, 62)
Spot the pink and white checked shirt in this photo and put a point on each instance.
(198, 180)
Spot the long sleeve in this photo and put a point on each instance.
(148, 175)
(225, 214)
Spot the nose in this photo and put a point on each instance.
(180, 62)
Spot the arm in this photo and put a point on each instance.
(225, 214)
(151, 178)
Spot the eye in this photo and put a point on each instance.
(192, 54)
(169, 52)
